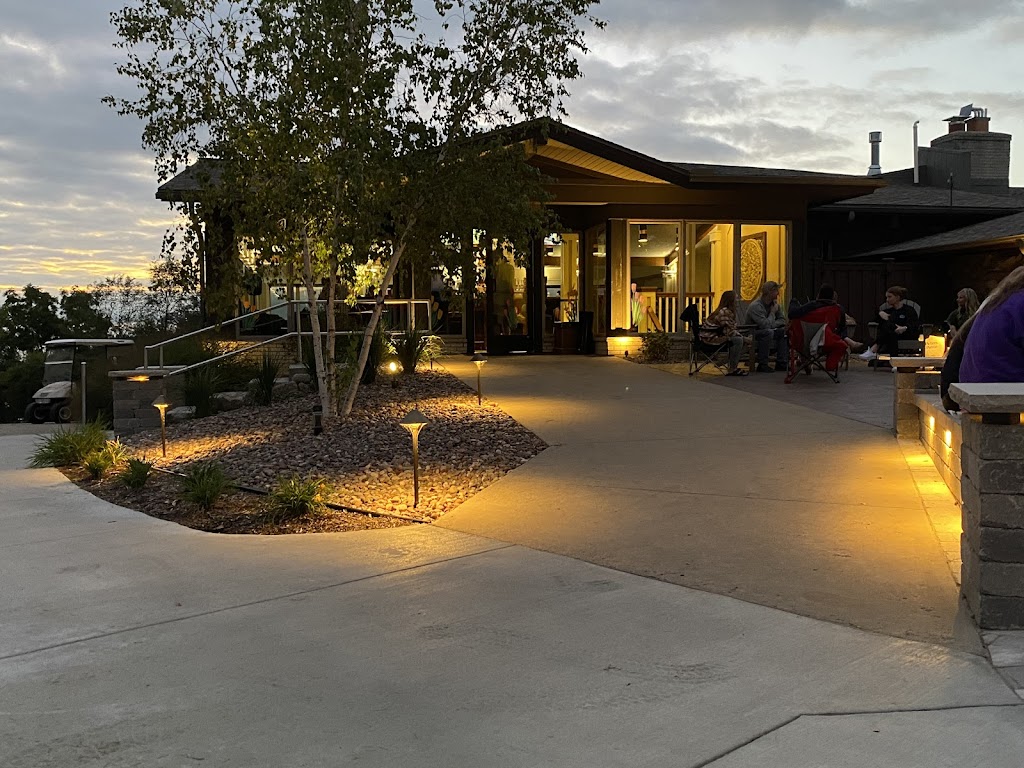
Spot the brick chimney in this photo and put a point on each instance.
(989, 152)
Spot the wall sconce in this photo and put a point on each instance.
(643, 233)
(478, 360)
(161, 404)
(413, 422)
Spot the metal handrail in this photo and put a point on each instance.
(216, 326)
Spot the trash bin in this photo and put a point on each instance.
(586, 335)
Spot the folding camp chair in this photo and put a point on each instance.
(701, 352)
(813, 344)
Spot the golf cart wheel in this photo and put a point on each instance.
(35, 413)
(60, 413)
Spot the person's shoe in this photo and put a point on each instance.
(867, 355)
(764, 368)
(858, 346)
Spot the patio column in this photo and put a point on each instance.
(911, 378)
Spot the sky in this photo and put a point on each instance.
(776, 83)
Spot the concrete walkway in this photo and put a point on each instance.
(711, 487)
(129, 641)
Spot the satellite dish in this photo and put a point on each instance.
(967, 111)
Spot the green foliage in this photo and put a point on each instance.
(380, 346)
(309, 360)
(413, 347)
(296, 497)
(136, 473)
(197, 389)
(203, 484)
(655, 347)
(19, 380)
(27, 319)
(68, 447)
(116, 451)
(234, 375)
(83, 318)
(263, 389)
(97, 463)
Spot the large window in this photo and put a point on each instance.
(653, 275)
(561, 279)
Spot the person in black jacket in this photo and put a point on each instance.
(951, 367)
(897, 322)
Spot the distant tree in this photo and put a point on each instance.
(19, 380)
(27, 320)
(122, 300)
(349, 130)
(82, 315)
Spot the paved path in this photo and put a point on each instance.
(711, 487)
(128, 641)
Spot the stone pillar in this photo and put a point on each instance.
(992, 483)
(909, 380)
(134, 393)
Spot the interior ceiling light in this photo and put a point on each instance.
(643, 233)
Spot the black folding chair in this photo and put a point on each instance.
(702, 353)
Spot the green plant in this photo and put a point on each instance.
(413, 347)
(203, 484)
(655, 347)
(136, 473)
(309, 360)
(97, 463)
(296, 497)
(116, 451)
(198, 388)
(68, 447)
(234, 375)
(380, 343)
(263, 388)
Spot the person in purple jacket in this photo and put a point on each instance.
(994, 349)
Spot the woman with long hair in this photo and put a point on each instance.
(720, 328)
(966, 305)
(994, 350)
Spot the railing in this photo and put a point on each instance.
(667, 309)
(410, 323)
(705, 302)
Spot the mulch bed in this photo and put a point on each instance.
(366, 459)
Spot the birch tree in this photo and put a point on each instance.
(368, 126)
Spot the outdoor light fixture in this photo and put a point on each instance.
(393, 370)
(161, 405)
(318, 419)
(414, 421)
(643, 233)
(478, 360)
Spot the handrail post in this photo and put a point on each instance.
(145, 357)
(161, 357)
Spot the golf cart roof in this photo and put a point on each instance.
(89, 343)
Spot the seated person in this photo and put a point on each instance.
(766, 314)
(825, 309)
(966, 305)
(994, 350)
(898, 322)
(720, 328)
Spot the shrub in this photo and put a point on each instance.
(413, 347)
(116, 451)
(136, 473)
(18, 382)
(68, 447)
(203, 484)
(97, 463)
(234, 375)
(198, 388)
(655, 347)
(263, 387)
(379, 347)
(296, 497)
(309, 360)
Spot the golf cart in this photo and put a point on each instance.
(62, 374)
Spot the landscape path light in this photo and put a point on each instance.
(318, 419)
(161, 404)
(414, 421)
(478, 360)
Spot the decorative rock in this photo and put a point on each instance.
(180, 414)
(284, 388)
(230, 401)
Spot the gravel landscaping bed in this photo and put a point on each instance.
(366, 459)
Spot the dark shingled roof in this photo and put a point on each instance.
(1004, 228)
(205, 171)
(697, 170)
(896, 197)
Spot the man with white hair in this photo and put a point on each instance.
(766, 314)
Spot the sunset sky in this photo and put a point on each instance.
(784, 83)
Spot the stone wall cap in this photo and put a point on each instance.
(915, 362)
(1003, 397)
(151, 373)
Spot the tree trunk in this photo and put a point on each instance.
(314, 320)
(378, 308)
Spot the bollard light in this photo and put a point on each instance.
(161, 405)
(318, 419)
(478, 360)
(413, 422)
(393, 370)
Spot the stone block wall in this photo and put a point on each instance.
(908, 383)
(941, 437)
(992, 482)
(134, 393)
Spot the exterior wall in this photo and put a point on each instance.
(133, 400)
(942, 438)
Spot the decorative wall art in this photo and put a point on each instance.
(753, 265)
